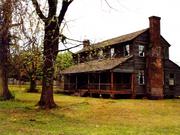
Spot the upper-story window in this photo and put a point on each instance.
(166, 53)
(78, 58)
(171, 79)
(126, 50)
(141, 51)
(100, 54)
(141, 77)
(90, 56)
(112, 52)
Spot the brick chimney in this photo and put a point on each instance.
(86, 43)
(155, 68)
(154, 30)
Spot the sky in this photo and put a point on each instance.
(96, 21)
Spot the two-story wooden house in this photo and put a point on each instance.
(136, 64)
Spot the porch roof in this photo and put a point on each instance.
(96, 65)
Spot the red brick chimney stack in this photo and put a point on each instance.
(155, 68)
(154, 30)
(86, 43)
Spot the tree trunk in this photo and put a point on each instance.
(51, 39)
(32, 76)
(32, 85)
(4, 91)
(4, 50)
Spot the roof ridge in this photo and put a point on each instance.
(141, 31)
(115, 40)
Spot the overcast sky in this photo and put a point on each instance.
(94, 20)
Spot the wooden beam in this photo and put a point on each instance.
(123, 91)
(99, 86)
(76, 82)
(90, 93)
(112, 84)
(69, 81)
(132, 86)
(112, 80)
(88, 81)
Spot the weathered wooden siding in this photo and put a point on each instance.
(171, 68)
(165, 46)
(127, 67)
(140, 62)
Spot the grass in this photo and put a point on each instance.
(88, 116)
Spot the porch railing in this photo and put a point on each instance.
(107, 86)
(97, 86)
(69, 86)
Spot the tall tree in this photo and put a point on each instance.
(52, 25)
(30, 52)
(32, 66)
(27, 64)
(10, 12)
(5, 18)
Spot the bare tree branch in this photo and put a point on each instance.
(74, 40)
(52, 8)
(108, 3)
(17, 24)
(65, 5)
(69, 48)
(38, 10)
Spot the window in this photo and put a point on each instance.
(141, 77)
(171, 80)
(166, 53)
(141, 50)
(78, 58)
(90, 56)
(100, 54)
(112, 52)
(126, 50)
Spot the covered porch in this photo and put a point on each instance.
(100, 77)
(106, 82)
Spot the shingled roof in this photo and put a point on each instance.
(96, 65)
(117, 40)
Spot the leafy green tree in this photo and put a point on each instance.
(32, 66)
(63, 61)
(26, 50)
(28, 63)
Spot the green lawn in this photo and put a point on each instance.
(88, 116)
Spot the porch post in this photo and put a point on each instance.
(69, 82)
(99, 81)
(132, 86)
(88, 81)
(76, 82)
(90, 94)
(112, 84)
